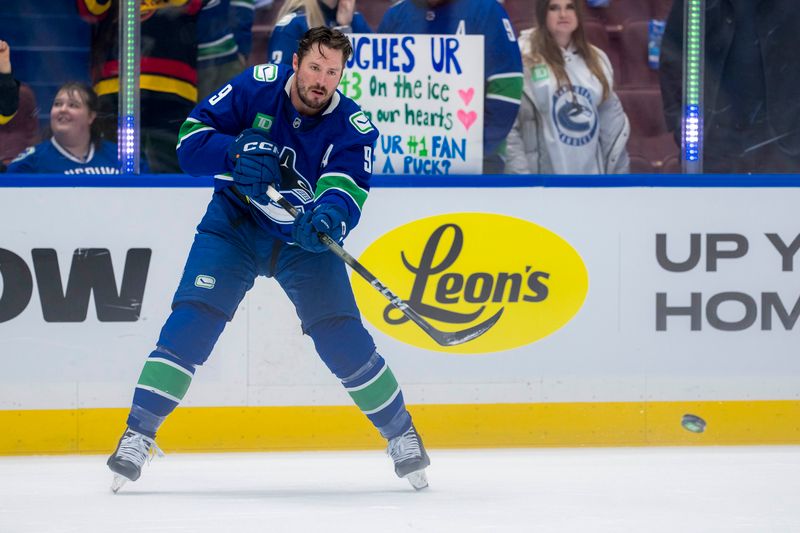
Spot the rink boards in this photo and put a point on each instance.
(623, 308)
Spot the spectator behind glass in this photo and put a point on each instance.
(570, 120)
(502, 63)
(224, 39)
(168, 80)
(297, 16)
(75, 146)
(19, 124)
(751, 104)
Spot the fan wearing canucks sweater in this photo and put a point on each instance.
(501, 57)
(75, 146)
(287, 128)
(296, 16)
(224, 39)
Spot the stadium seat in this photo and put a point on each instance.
(620, 12)
(520, 12)
(650, 145)
(597, 35)
(659, 9)
(672, 164)
(22, 130)
(636, 71)
(373, 10)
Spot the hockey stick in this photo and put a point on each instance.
(442, 337)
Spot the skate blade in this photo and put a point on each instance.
(418, 479)
(117, 483)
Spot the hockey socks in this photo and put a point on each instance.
(376, 392)
(163, 383)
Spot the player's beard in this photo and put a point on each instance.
(302, 92)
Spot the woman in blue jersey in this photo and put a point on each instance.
(75, 146)
(297, 16)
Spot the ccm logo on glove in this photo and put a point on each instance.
(255, 164)
(265, 146)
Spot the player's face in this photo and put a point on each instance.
(70, 115)
(316, 78)
(562, 20)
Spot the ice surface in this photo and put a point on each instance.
(709, 489)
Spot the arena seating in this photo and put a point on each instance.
(650, 145)
(621, 30)
(49, 46)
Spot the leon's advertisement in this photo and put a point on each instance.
(460, 270)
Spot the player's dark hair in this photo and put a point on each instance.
(89, 97)
(327, 37)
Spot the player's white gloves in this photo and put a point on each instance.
(324, 218)
(255, 163)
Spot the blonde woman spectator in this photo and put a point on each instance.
(297, 16)
(570, 120)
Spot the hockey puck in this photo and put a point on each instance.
(693, 423)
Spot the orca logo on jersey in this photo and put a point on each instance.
(265, 72)
(459, 269)
(361, 123)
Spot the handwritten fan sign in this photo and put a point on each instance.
(425, 95)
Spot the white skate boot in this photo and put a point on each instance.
(133, 450)
(410, 458)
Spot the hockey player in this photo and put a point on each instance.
(291, 129)
(75, 146)
(502, 62)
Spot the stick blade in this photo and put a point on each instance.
(455, 338)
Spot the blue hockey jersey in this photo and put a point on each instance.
(223, 30)
(326, 157)
(502, 60)
(290, 29)
(51, 158)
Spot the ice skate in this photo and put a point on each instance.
(410, 458)
(133, 450)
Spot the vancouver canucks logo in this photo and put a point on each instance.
(574, 115)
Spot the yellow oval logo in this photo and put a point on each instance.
(462, 269)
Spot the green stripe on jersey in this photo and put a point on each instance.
(163, 376)
(506, 87)
(342, 183)
(189, 127)
(212, 50)
(375, 393)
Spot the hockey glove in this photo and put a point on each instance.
(324, 218)
(255, 162)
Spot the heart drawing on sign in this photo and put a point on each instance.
(467, 119)
(466, 95)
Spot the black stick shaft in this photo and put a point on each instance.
(441, 337)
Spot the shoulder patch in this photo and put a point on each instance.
(361, 123)
(265, 72)
(25, 153)
(286, 19)
(540, 72)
